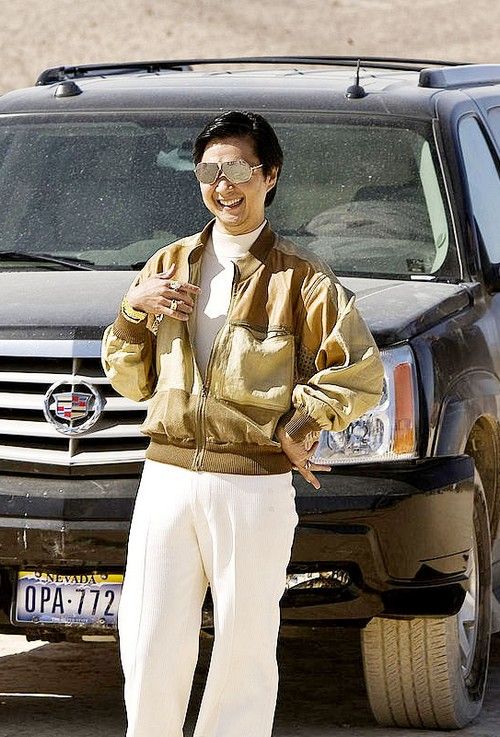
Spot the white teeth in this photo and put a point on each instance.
(229, 203)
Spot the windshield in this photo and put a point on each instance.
(365, 197)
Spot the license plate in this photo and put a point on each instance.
(86, 599)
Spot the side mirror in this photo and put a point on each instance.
(490, 269)
(492, 277)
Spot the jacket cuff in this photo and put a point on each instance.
(130, 332)
(299, 425)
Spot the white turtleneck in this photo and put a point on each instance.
(217, 273)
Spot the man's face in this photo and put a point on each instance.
(239, 208)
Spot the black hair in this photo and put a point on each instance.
(254, 126)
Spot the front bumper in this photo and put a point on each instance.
(397, 537)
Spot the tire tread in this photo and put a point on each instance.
(412, 667)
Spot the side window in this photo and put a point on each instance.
(484, 184)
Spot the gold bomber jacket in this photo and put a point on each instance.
(294, 350)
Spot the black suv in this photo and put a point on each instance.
(392, 176)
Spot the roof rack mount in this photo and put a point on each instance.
(460, 76)
(59, 74)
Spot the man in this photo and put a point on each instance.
(246, 347)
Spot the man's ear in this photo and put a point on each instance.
(272, 178)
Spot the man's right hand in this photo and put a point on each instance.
(163, 295)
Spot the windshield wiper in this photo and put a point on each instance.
(71, 261)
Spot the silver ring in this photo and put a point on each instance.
(307, 464)
(173, 304)
(175, 286)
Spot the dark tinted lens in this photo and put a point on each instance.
(206, 172)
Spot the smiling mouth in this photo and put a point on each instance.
(230, 204)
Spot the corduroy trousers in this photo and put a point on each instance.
(190, 530)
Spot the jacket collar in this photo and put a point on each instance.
(248, 263)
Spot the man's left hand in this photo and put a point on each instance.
(298, 455)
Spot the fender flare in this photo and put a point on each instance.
(472, 396)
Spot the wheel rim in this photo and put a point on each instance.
(468, 617)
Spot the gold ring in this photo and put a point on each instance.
(173, 304)
(175, 285)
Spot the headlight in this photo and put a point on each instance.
(389, 431)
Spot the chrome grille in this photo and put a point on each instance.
(27, 436)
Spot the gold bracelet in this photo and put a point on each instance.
(130, 313)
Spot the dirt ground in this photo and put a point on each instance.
(35, 34)
(67, 689)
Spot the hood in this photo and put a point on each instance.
(69, 305)
(60, 305)
(398, 310)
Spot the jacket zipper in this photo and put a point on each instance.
(202, 400)
(200, 430)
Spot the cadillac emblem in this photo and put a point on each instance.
(72, 408)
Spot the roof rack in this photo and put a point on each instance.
(460, 76)
(59, 74)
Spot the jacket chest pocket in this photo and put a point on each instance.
(256, 369)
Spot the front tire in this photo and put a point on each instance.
(431, 672)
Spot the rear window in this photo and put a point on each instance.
(366, 197)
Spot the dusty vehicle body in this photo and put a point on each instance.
(95, 174)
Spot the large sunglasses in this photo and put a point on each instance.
(236, 172)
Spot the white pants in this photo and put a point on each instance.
(189, 530)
